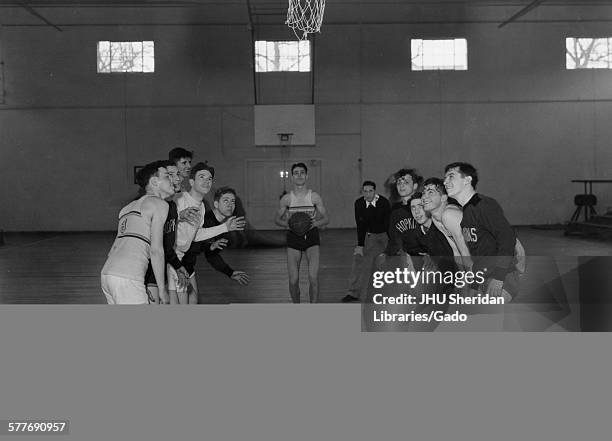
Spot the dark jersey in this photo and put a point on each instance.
(488, 236)
(169, 239)
(433, 243)
(213, 257)
(402, 231)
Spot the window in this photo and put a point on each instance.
(588, 53)
(282, 56)
(126, 56)
(439, 54)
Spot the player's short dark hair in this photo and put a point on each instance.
(144, 175)
(299, 164)
(224, 190)
(199, 167)
(437, 183)
(465, 169)
(415, 195)
(176, 154)
(369, 183)
(416, 179)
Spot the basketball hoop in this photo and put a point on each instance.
(284, 139)
(305, 16)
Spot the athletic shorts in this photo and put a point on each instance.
(122, 291)
(173, 279)
(302, 243)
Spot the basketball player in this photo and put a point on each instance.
(139, 238)
(302, 199)
(182, 158)
(201, 178)
(438, 256)
(434, 245)
(372, 219)
(487, 233)
(447, 218)
(402, 226)
(224, 206)
(169, 238)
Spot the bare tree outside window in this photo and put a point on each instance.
(448, 54)
(126, 56)
(588, 53)
(282, 56)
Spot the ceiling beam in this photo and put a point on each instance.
(32, 11)
(534, 4)
(250, 15)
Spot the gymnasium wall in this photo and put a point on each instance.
(70, 137)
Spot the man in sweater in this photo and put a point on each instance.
(372, 218)
(487, 233)
(223, 209)
(402, 226)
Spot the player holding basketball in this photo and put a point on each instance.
(302, 240)
(487, 233)
(139, 238)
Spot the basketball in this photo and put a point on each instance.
(300, 223)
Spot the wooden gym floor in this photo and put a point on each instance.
(64, 268)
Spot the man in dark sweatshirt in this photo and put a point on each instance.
(224, 206)
(487, 233)
(432, 241)
(402, 226)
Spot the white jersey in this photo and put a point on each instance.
(186, 232)
(301, 203)
(129, 255)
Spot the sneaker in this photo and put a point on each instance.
(349, 298)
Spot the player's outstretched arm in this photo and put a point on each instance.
(235, 223)
(240, 277)
(231, 224)
(218, 244)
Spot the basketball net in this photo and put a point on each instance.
(305, 16)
